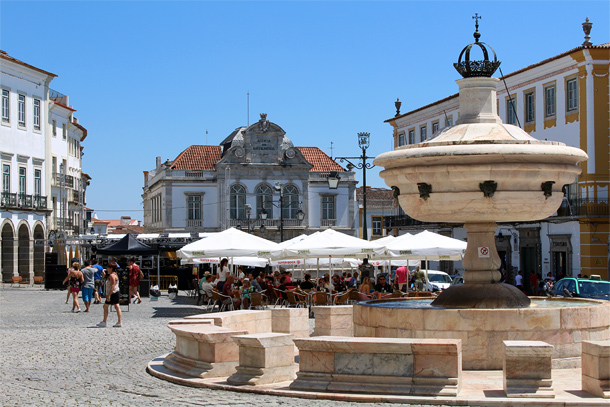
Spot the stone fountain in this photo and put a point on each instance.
(479, 172)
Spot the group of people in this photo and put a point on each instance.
(96, 283)
(237, 289)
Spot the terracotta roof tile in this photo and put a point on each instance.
(197, 157)
(5, 55)
(320, 160)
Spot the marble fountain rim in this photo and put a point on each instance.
(592, 301)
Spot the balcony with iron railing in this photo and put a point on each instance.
(268, 223)
(23, 201)
(583, 208)
(56, 180)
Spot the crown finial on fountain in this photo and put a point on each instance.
(485, 67)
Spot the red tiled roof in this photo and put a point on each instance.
(197, 157)
(320, 160)
(5, 55)
(124, 229)
(64, 106)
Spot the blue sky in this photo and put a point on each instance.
(150, 78)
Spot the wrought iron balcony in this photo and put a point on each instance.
(400, 221)
(583, 207)
(23, 201)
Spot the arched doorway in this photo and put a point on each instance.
(39, 251)
(8, 245)
(23, 252)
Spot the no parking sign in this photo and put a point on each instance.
(484, 252)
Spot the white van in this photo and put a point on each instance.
(437, 280)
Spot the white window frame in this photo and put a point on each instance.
(423, 133)
(290, 206)
(21, 109)
(511, 110)
(23, 180)
(37, 182)
(328, 205)
(6, 106)
(36, 103)
(6, 178)
(377, 225)
(194, 207)
(237, 201)
(572, 95)
(530, 106)
(550, 101)
(264, 199)
(64, 131)
(435, 127)
(54, 128)
(412, 136)
(401, 139)
(449, 121)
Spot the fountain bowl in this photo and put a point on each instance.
(563, 323)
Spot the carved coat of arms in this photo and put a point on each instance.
(263, 123)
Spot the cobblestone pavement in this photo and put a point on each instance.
(51, 356)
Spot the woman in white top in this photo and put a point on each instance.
(223, 273)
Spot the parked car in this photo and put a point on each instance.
(457, 280)
(437, 280)
(583, 288)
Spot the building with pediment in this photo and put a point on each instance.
(256, 180)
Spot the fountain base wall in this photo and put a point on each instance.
(483, 330)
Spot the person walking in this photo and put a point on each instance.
(74, 280)
(112, 297)
(134, 281)
(88, 284)
(97, 280)
(402, 279)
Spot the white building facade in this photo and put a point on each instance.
(564, 98)
(255, 173)
(27, 206)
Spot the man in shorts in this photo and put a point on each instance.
(112, 297)
(88, 284)
(97, 280)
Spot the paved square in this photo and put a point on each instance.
(53, 357)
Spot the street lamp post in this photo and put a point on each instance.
(280, 204)
(363, 143)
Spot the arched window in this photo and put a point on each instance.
(237, 204)
(264, 199)
(291, 202)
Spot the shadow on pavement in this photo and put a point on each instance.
(167, 312)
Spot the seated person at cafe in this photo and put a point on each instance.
(282, 287)
(352, 281)
(339, 286)
(307, 284)
(254, 283)
(207, 284)
(245, 292)
(325, 285)
(227, 289)
(382, 287)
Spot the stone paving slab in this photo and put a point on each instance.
(52, 357)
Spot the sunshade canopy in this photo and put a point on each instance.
(128, 245)
(332, 243)
(230, 243)
(427, 245)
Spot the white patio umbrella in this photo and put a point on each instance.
(331, 243)
(426, 245)
(240, 261)
(230, 243)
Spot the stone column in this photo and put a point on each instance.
(263, 359)
(481, 260)
(527, 369)
(294, 321)
(334, 320)
(596, 368)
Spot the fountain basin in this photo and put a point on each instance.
(563, 323)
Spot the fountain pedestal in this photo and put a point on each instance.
(481, 262)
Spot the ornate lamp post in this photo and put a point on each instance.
(280, 204)
(363, 143)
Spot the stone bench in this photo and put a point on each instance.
(527, 369)
(252, 321)
(203, 350)
(422, 367)
(334, 320)
(596, 368)
(264, 359)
